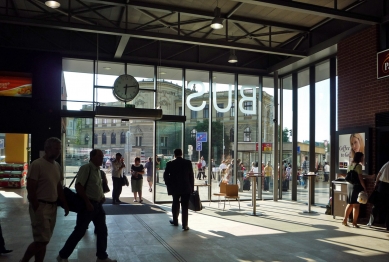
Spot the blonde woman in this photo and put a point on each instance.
(357, 144)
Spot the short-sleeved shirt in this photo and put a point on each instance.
(149, 167)
(326, 168)
(47, 175)
(358, 169)
(94, 188)
(305, 167)
(139, 168)
(116, 166)
(268, 171)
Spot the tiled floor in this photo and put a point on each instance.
(282, 233)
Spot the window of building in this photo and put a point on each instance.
(232, 112)
(105, 121)
(193, 114)
(248, 105)
(115, 120)
(95, 139)
(113, 138)
(138, 141)
(232, 134)
(88, 121)
(180, 110)
(220, 114)
(104, 139)
(96, 121)
(122, 138)
(163, 141)
(206, 111)
(247, 134)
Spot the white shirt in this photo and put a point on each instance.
(222, 166)
(203, 163)
(116, 168)
(385, 173)
(327, 168)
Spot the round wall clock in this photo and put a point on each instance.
(125, 88)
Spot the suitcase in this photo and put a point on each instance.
(246, 184)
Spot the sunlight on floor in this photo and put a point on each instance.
(10, 194)
(358, 250)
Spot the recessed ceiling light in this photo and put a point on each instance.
(52, 4)
(162, 73)
(107, 68)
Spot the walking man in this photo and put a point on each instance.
(89, 188)
(44, 186)
(117, 172)
(179, 180)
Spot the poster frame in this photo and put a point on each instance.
(368, 156)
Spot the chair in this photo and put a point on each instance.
(221, 193)
(231, 193)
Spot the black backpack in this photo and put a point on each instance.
(352, 176)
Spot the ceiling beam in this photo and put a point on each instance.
(121, 46)
(149, 35)
(199, 13)
(97, 13)
(300, 7)
(152, 21)
(247, 32)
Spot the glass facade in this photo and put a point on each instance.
(226, 119)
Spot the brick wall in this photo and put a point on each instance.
(360, 94)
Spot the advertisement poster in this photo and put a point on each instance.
(15, 86)
(349, 144)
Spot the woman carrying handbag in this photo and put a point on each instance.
(353, 190)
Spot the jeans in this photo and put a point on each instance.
(83, 220)
(184, 207)
(267, 182)
(117, 188)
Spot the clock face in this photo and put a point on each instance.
(125, 88)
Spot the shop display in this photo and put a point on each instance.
(13, 175)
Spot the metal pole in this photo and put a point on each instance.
(275, 139)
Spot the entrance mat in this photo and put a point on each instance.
(131, 209)
(127, 200)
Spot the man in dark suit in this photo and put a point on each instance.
(179, 180)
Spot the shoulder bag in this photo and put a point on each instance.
(75, 202)
(104, 184)
(352, 176)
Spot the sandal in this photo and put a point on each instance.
(135, 200)
(355, 225)
(344, 223)
(140, 201)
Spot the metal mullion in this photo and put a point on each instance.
(312, 122)
(294, 134)
(275, 137)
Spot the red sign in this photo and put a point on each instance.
(15, 86)
(383, 64)
(256, 146)
(267, 147)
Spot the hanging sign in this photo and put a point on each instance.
(383, 64)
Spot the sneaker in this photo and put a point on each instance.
(135, 200)
(150, 190)
(368, 224)
(106, 260)
(140, 201)
(60, 259)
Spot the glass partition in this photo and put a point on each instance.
(77, 142)
(221, 153)
(286, 136)
(267, 165)
(168, 137)
(247, 132)
(196, 126)
(303, 120)
(322, 133)
(169, 90)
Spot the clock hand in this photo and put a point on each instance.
(126, 90)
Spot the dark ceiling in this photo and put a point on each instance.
(265, 34)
